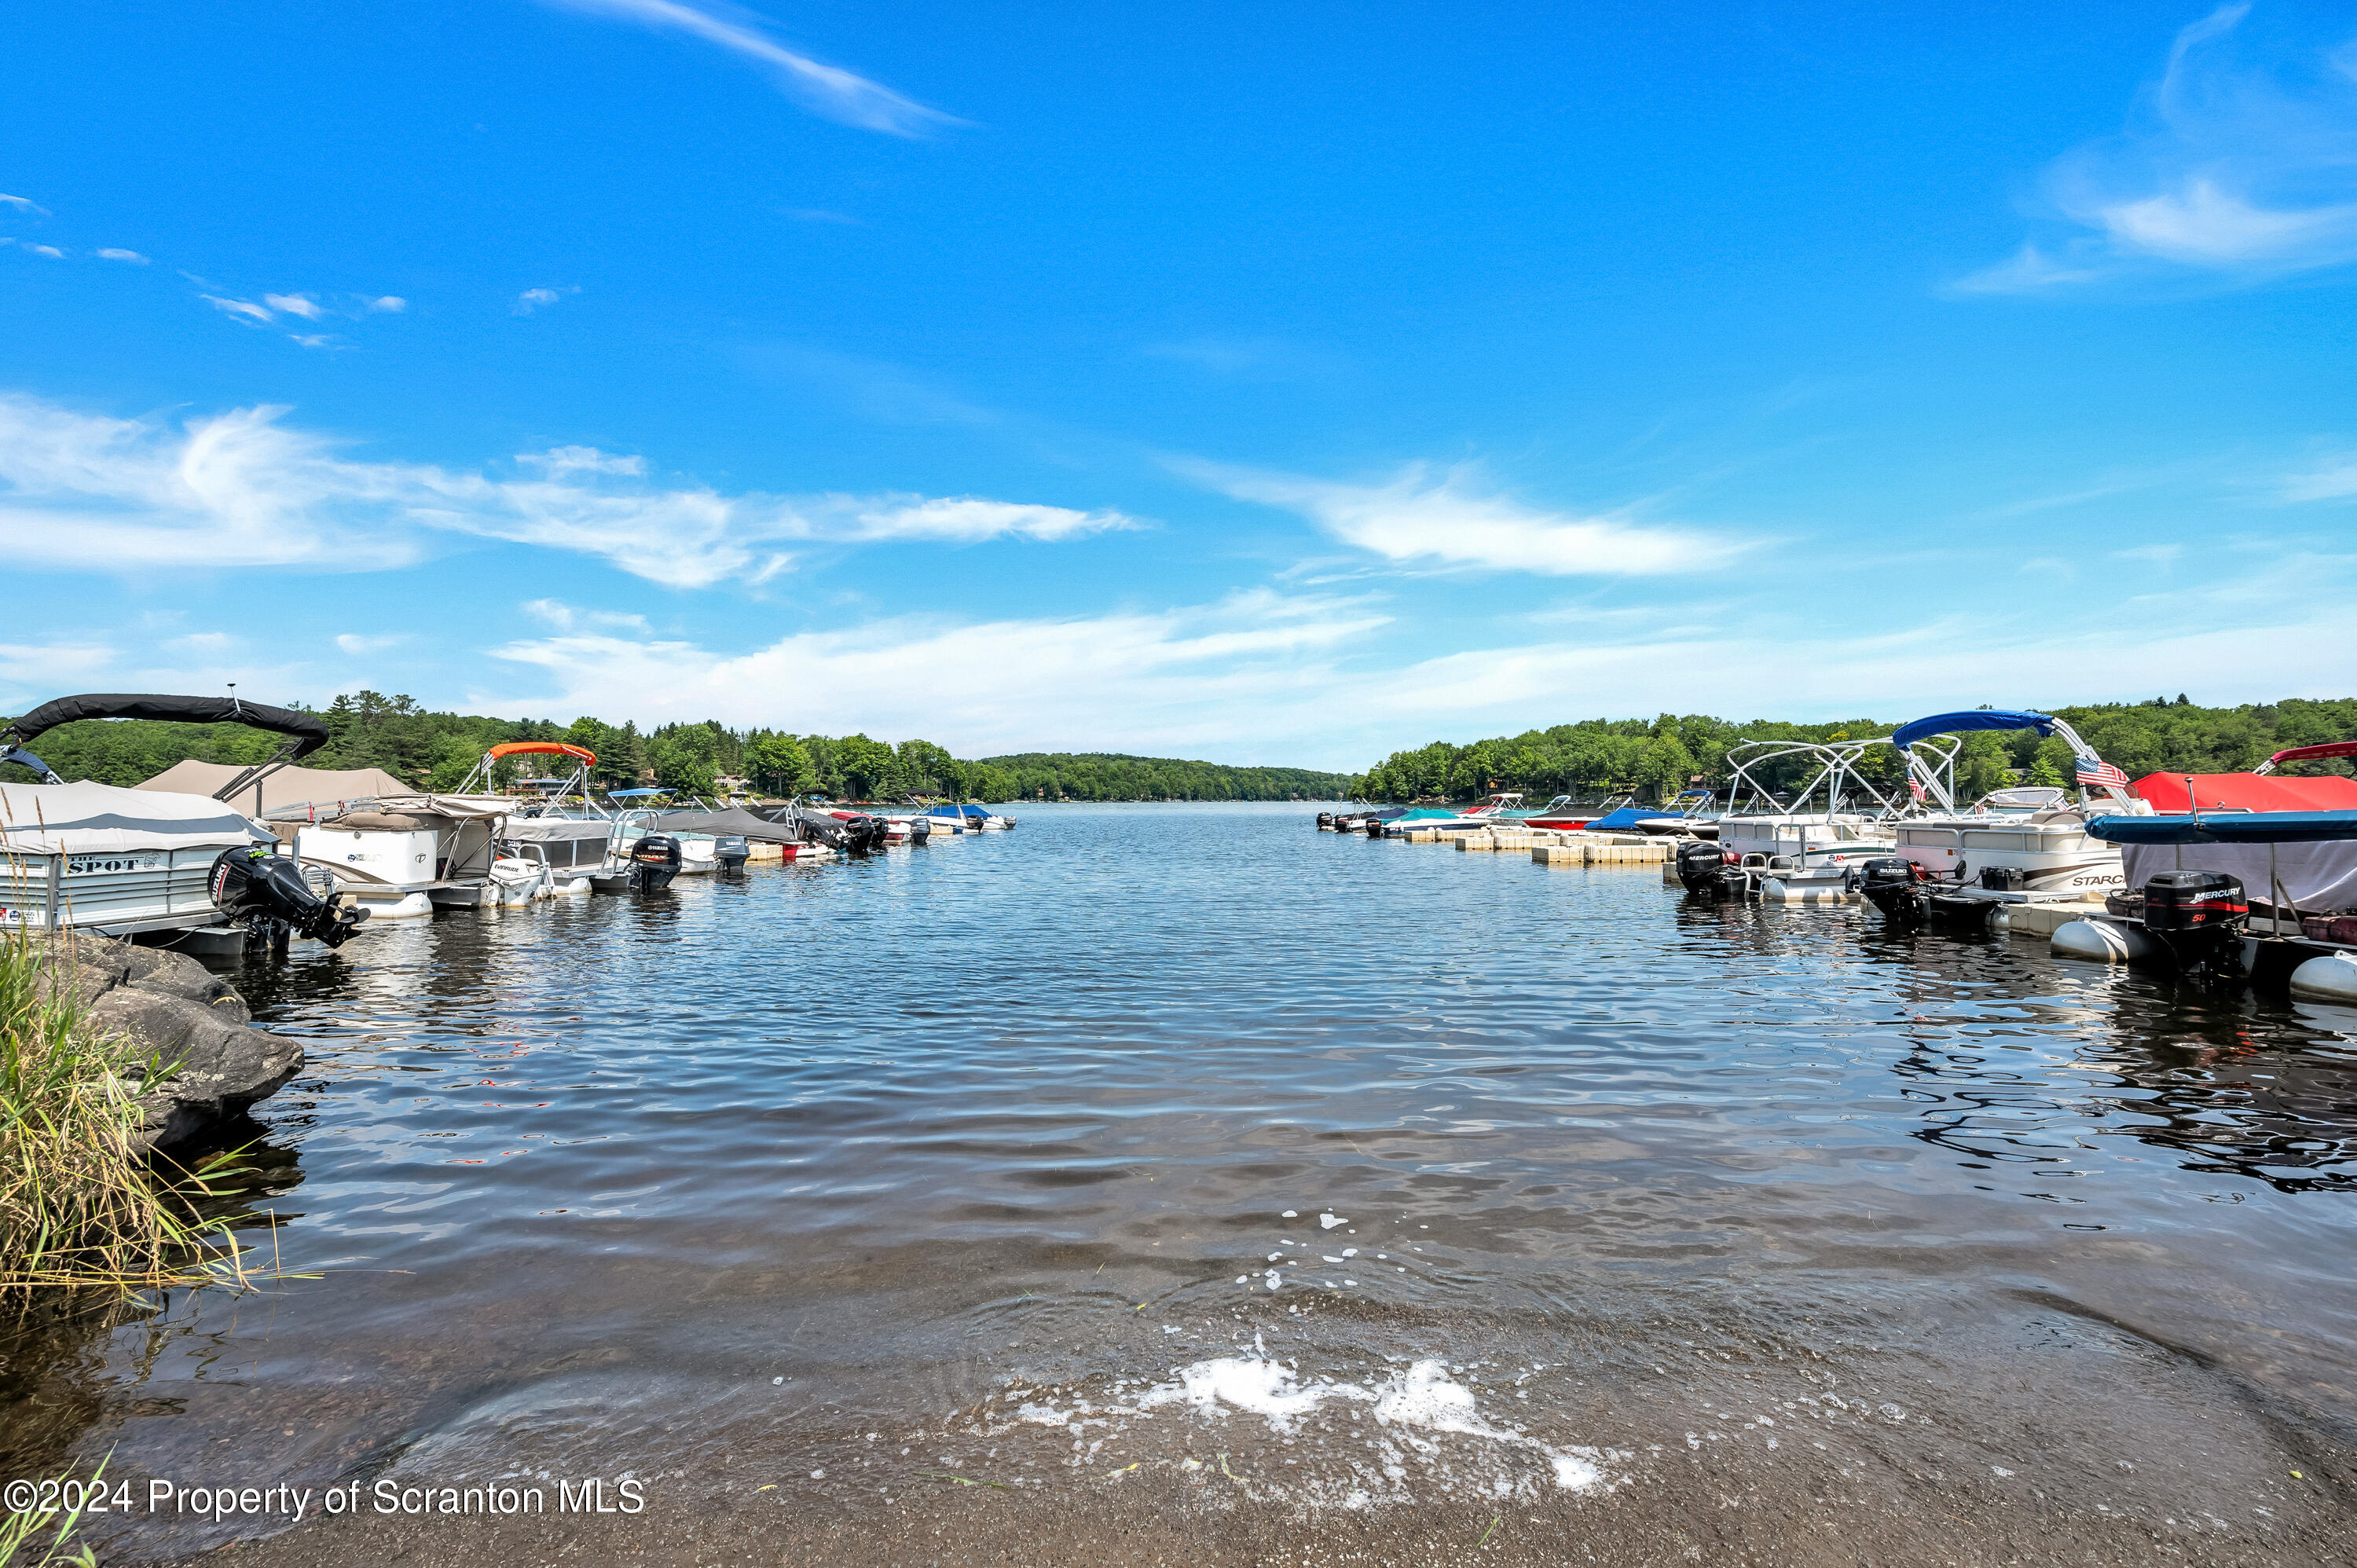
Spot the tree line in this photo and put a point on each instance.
(434, 750)
(1655, 758)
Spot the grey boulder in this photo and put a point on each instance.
(210, 1065)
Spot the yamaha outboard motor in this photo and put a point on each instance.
(2199, 916)
(1895, 886)
(732, 852)
(1700, 864)
(267, 891)
(654, 861)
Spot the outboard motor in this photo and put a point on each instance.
(732, 852)
(2199, 915)
(654, 861)
(1895, 886)
(2004, 878)
(267, 891)
(1699, 864)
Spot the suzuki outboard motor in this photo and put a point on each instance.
(654, 861)
(1699, 864)
(1895, 886)
(2199, 916)
(731, 852)
(267, 892)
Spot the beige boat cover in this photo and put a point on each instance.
(287, 787)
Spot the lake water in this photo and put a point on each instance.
(1347, 1174)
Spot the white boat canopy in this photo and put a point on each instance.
(99, 819)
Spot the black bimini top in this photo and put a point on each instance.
(308, 731)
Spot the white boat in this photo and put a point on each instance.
(118, 862)
(1493, 811)
(2012, 846)
(1786, 850)
(967, 818)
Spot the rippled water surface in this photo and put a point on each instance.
(986, 1149)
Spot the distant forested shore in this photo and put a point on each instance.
(435, 751)
(1654, 758)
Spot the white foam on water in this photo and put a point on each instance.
(1248, 1383)
(1328, 1221)
(1289, 1214)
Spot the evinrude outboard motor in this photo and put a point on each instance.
(1700, 864)
(2199, 916)
(267, 891)
(732, 852)
(1895, 886)
(654, 861)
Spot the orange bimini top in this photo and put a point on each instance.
(542, 748)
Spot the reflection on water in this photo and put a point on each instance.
(758, 1167)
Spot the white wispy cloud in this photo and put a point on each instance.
(830, 91)
(358, 643)
(1182, 677)
(301, 304)
(533, 299)
(561, 616)
(386, 305)
(2227, 168)
(117, 253)
(1452, 519)
(2336, 480)
(24, 204)
(51, 251)
(239, 309)
(243, 488)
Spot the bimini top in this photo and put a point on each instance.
(542, 748)
(2227, 827)
(1906, 735)
(636, 794)
(2308, 754)
(307, 730)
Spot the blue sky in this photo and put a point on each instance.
(1276, 383)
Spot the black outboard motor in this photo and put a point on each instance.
(732, 852)
(1700, 864)
(1895, 886)
(654, 861)
(2199, 915)
(267, 890)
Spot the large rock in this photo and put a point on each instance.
(193, 1022)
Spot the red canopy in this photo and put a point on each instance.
(2247, 792)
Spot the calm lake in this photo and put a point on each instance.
(1351, 1175)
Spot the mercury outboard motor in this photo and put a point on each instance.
(1895, 886)
(267, 891)
(1699, 864)
(732, 852)
(2199, 916)
(654, 861)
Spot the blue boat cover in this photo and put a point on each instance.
(1629, 817)
(2227, 827)
(969, 812)
(1906, 735)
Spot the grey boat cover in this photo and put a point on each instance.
(99, 819)
(565, 843)
(325, 787)
(721, 825)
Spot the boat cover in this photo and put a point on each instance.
(2247, 792)
(742, 823)
(2311, 855)
(308, 731)
(286, 786)
(969, 812)
(1628, 817)
(99, 819)
(1906, 735)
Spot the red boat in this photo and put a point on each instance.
(2257, 790)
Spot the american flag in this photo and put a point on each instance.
(2094, 771)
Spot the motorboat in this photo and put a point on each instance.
(1564, 815)
(969, 818)
(1490, 813)
(1689, 814)
(2189, 902)
(1784, 850)
(2020, 845)
(908, 827)
(121, 863)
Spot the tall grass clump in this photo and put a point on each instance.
(82, 1204)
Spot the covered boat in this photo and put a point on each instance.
(94, 857)
(2260, 789)
(968, 818)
